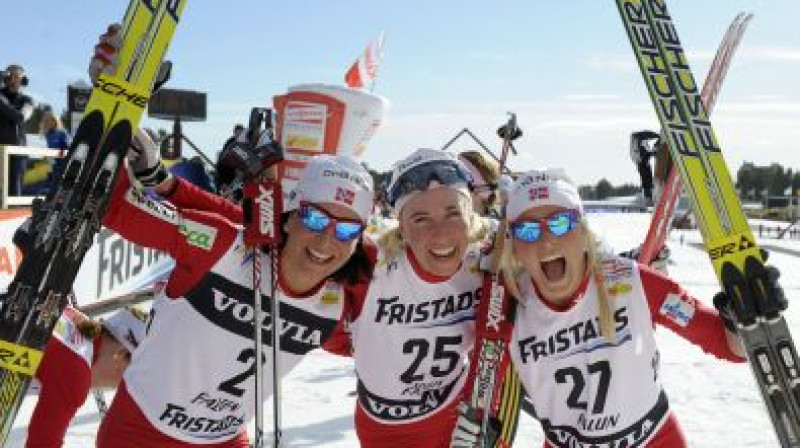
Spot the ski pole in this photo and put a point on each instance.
(262, 210)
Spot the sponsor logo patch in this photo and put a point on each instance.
(140, 200)
(618, 289)
(199, 235)
(678, 310)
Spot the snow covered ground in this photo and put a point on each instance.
(717, 403)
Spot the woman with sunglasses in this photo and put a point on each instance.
(413, 324)
(583, 339)
(191, 381)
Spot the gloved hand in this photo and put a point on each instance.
(249, 159)
(731, 312)
(106, 53)
(468, 429)
(144, 158)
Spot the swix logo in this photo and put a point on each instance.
(495, 315)
(266, 212)
(117, 90)
(540, 192)
(345, 195)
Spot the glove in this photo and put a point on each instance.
(242, 156)
(144, 158)
(468, 429)
(731, 312)
(502, 131)
(722, 302)
(106, 53)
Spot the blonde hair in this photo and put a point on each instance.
(391, 241)
(49, 122)
(512, 268)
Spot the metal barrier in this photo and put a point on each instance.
(6, 151)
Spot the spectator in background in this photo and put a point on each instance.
(57, 138)
(15, 109)
(236, 131)
(485, 176)
(53, 131)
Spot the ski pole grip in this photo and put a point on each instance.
(263, 202)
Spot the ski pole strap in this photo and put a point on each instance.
(263, 202)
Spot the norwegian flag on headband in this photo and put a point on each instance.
(366, 67)
(345, 195)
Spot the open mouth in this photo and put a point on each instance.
(444, 253)
(554, 267)
(318, 257)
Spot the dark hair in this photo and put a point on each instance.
(357, 268)
(6, 74)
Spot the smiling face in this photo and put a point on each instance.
(434, 225)
(557, 264)
(309, 257)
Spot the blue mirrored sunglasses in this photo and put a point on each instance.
(317, 220)
(559, 223)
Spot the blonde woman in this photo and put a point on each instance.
(82, 354)
(413, 325)
(53, 131)
(583, 339)
(485, 178)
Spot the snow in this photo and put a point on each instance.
(717, 403)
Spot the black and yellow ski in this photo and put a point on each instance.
(63, 228)
(736, 257)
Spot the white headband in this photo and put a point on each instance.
(542, 187)
(335, 179)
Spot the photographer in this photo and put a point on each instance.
(15, 109)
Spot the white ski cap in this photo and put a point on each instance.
(535, 188)
(420, 157)
(335, 179)
(128, 326)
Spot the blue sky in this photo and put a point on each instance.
(565, 68)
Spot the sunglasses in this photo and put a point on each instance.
(317, 220)
(420, 177)
(559, 223)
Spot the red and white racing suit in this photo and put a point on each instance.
(589, 391)
(411, 335)
(191, 380)
(65, 378)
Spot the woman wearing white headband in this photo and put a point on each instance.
(414, 323)
(583, 336)
(189, 383)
